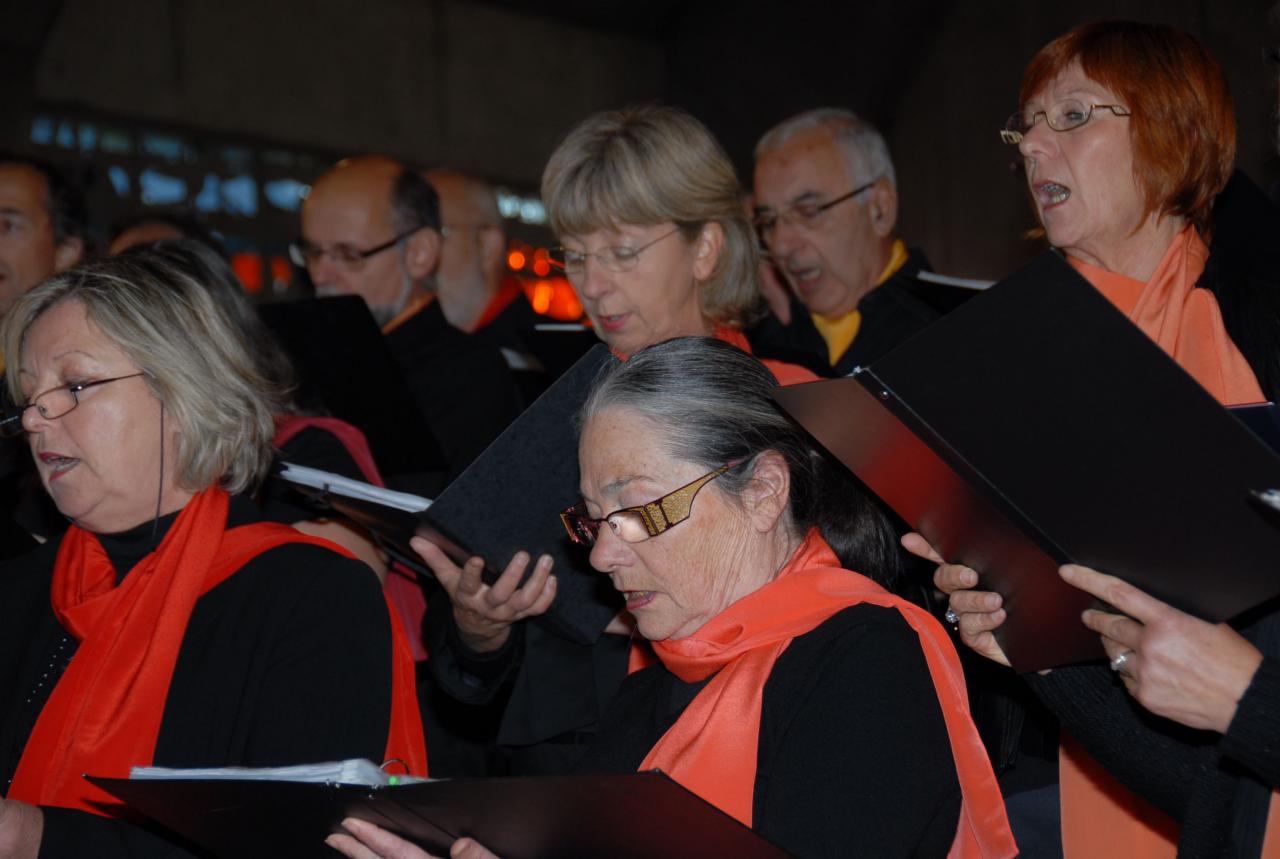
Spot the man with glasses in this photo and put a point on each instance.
(371, 227)
(826, 209)
(42, 232)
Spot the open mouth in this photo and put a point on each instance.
(58, 465)
(1052, 194)
(637, 599)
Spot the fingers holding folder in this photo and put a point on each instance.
(484, 612)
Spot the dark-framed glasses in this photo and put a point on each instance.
(615, 259)
(637, 524)
(53, 403)
(1063, 116)
(803, 213)
(303, 253)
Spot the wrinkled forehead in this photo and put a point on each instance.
(811, 162)
(346, 208)
(618, 447)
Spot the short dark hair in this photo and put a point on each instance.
(414, 203)
(65, 200)
(187, 224)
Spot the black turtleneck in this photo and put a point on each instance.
(287, 661)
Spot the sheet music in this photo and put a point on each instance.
(330, 482)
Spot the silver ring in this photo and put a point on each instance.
(1121, 659)
(951, 616)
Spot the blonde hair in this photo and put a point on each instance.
(197, 363)
(649, 165)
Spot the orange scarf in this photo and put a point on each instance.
(1184, 321)
(712, 747)
(104, 715)
(1100, 817)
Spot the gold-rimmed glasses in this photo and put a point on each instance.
(637, 524)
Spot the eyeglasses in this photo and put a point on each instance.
(803, 214)
(453, 229)
(53, 403)
(1063, 116)
(614, 259)
(637, 524)
(304, 253)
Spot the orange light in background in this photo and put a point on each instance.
(281, 271)
(515, 260)
(554, 297)
(248, 267)
(541, 254)
(541, 267)
(540, 296)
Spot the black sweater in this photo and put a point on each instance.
(1217, 787)
(285, 662)
(854, 757)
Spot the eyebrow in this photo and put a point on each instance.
(803, 198)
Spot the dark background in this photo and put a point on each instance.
(280, 88)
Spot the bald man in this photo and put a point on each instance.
(475, 291)
(371, 227)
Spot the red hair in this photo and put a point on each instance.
(1182, 122)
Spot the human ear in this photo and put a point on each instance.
(883, 206)
(769, 491)
(706, 250)
(422, 254)
(68, 252)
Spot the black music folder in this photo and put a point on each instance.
(1036, 426)
(344, 367)
(509, 499)
(628, 816)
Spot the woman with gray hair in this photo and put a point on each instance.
(656, 243)
(794, 694)
(167, 625)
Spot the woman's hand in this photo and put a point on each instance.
(1175, 665)
(21, 829)
(367, 841)
(978, 612)
(484, 613)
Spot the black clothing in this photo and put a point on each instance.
(1243, 272)
(1203, 780)
(854, 756)
(511, 328)
(512, 331)
(551, 692)
(461, 385)
(892, 312)
(285, 662)
(313, 447)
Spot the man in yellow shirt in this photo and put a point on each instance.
(826, 207)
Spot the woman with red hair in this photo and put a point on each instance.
(1127, 135)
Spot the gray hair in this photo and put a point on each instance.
(197, 364)
(648, 165)
(865, 151)
(712, 400)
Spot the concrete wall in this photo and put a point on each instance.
(489, 88)
(426, 80)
